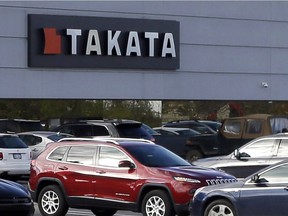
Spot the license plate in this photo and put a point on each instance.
(17, 156)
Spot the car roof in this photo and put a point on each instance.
(43, 133)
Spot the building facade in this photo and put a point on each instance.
(170, 50)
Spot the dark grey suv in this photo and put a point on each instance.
(106, 128)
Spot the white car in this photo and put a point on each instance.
(37, 140)
(15, 157)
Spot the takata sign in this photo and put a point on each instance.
(94, 42)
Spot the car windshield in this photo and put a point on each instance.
(11, 142)
(155, 156)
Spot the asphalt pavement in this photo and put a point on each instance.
(82, 212)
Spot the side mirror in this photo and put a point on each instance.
(236, 153)
(240, 155)
(127, 164)
(257, 179)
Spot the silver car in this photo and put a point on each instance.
(37, 140)
(250, 158)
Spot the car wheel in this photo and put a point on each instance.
(220, 208)
(103, 212)
(51, 201)
(193, 155)
(158, 203)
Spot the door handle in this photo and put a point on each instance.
(63, 168)
(100, 171)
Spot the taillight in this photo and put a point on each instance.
(1, 156)
(33, 163)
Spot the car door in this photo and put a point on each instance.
(114, 183)
(77, 171)
(267, 197)
(251, 158)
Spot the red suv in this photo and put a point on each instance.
(107, 175)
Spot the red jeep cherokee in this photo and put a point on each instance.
(112, 174)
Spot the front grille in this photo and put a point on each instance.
(219, 181)
(12, 200)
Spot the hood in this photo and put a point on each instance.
(12, 189)
(200, 173)
(212, 162)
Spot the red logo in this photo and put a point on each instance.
(52, 41)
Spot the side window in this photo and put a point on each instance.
(110, 157)
(81, 155)
(261, 148)
(82, 130)
(58, 153)
(30, 140)
(232, 127)
(99, 131)
(276, 175)
(254, 126)
(283, 148)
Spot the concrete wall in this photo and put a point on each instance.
(227, 49)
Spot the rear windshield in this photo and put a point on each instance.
(11, 142)
(133, 131)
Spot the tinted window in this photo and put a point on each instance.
(99, 131)
(11, 142)
(155, 156)
(31, 140)
(81, 155)
(254, 126)
(133, 131)
(110, 156)
(58, 153)
(276, 175)
(261, 148)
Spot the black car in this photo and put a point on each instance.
(261, 194)
(255, 155)
(106, 128)
(15, 199)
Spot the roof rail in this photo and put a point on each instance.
(105, 139)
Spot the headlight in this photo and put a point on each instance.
(184, 179)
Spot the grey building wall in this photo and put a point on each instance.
(227, 50)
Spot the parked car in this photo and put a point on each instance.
(193, 124)
(176, 131)
(108, 174)
(37, 140)
(255, 155)
(15, 199)
(15, 157)
(19, 125)
(106, 128)
(262, 194)
(234, 132)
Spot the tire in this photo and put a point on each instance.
(220, 208)
(103, 212)
(51, 201)
(158, 203)
(193, 155)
